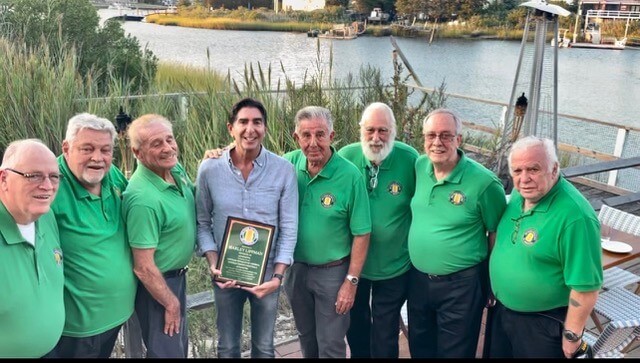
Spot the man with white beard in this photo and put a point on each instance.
(388, 169)
(100, 286)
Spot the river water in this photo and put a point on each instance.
(592, 83)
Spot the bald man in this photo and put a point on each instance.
(31, 308)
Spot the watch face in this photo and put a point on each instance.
(571, 336)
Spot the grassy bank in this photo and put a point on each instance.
(234, 24)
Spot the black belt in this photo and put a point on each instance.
(467, 272)
(178, 272)
(330, 264)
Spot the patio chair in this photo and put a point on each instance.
(616, 304)
(616, 338)
(620, 220)
(628, 223)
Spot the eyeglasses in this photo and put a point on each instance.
(444, 137)
(373, 176)
(38, 178)
(516, 230)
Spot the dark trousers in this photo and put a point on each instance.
(526, 335)
(151, 316)
(96, 346)
(375, 317)
(445, 313)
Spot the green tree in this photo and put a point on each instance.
(106, 52)
(411, 7)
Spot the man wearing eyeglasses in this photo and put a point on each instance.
(100, 286)
(456, 209)
(546, 267)
(388, 170)
(31, 306)
(333, 237)
(160, 213)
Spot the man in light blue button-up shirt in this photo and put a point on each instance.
(249, 182)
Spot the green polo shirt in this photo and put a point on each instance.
(451, 217)
(333, 207)
(100, 286)
(543, 253)
(32, 281)
(388, 254)
(162, 216)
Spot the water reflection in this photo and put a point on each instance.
(593, 83)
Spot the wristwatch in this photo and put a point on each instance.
(278, 276)
(352, 279)
(571, 336)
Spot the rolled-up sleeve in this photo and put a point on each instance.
(288, 219)
(204, 208)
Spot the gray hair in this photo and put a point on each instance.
(379, 106)
(16, 149)
(311, 112)
(446, 111)
(141, 123)
(533, 141)
(88, 121)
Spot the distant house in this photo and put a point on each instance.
(612, 5)
(304, 5)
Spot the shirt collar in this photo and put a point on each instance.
(9, 230)
(458, 171)
(155, 179)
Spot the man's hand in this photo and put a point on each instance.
(346, 297)
(264, 288)
(212, 154)
(172, 319)
(216, 153)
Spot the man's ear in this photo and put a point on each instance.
(65, 147)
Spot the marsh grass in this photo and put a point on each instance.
(234, 24)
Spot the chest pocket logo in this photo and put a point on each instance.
(530, 237)
(57, 256)
(394, 188)
(457, 197)
(327, 200)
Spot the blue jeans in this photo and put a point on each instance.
(230, 305)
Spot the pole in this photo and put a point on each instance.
(575, 26)
(405, 61)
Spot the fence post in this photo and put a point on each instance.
(184, 108)
(617, 151)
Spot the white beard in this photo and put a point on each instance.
(376, 157)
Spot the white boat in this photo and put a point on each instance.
(595, 40)
(342, 31)
(563, 40)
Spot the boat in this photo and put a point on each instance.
(378, 15)
(595, 40)
(344, 31)
(563, 40)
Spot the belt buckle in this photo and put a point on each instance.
(433, 277)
